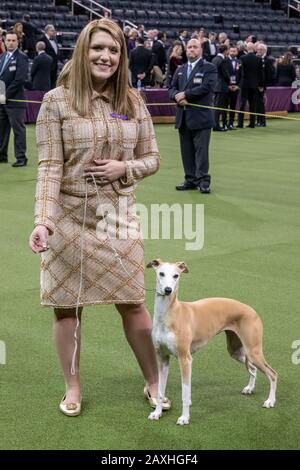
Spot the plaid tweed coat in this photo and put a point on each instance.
(66, 143)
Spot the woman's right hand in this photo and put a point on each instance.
(38, 240)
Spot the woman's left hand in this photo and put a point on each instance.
(105, 171)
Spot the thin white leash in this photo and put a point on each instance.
(73, 365)
(117, 256)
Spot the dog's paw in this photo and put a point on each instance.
(182, 420)
(269, 403)
(154, 415)
(247, 390)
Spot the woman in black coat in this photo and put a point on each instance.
(286, 72)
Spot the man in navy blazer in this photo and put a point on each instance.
(13, 72)
(41, 69)
(193, 83)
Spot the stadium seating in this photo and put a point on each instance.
(253, 18)
(219, 15)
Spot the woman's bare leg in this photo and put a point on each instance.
(63, 332)
(137, 326)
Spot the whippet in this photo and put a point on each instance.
(181, 328)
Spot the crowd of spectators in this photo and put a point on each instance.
(42, 49)
(166, 56)
(245, 70)
(153, 59)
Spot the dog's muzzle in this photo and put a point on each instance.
(168, 290)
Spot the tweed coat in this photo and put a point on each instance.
(83, 256)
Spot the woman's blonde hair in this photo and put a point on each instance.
(76, 75)
(287, 58)
(177, 51)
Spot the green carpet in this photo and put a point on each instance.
(251, 253)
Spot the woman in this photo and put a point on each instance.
(2, 40)
(175, 60)
(133, 34)
(286, 71)
(95, 139)
(18, 29)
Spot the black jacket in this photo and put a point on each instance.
(198, 90)
(50, 51)
(252, 71)
(141, 60)
(285, 74)
(160, 54)
(14, 76)
(31, 32)
(206, 50)
(40, 72)
(231, 74)
(268, 71)
(222, 82)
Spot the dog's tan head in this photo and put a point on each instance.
(167, 275)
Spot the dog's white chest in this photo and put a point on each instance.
(163, 339)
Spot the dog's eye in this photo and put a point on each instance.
(162, 274)
(176, 276)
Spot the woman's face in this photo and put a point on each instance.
(178, 50)
(104, 57)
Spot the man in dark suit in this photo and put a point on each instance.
(141, 31)
(52, 50)
(193, 83)
(221, 88)
(141, 61)
(210, 47)
(159, 50)
(13, 72)
(41, 69)
(268, 78)
(252, 80)
(232, 73)
(31, 32)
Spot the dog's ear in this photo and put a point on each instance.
(182, 266)
(154, 263)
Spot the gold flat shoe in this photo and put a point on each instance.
(70, 409)
(166, 404)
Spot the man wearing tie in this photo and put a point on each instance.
(52, 50)
(210, 47)
(232, 72)
(193, 83)
(13, 74)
